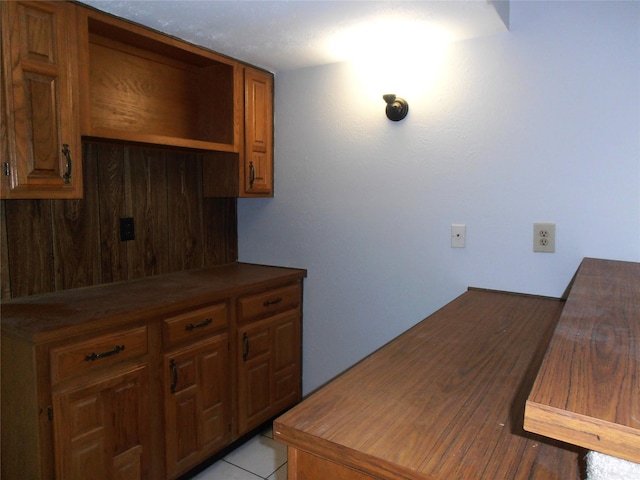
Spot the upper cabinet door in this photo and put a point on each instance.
(39, 55)
(258, 94)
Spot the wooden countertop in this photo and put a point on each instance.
(443, 401)
(41, 318)
(588, 388)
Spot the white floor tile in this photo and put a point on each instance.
(260, 455)
(222, 470)
(280, 474)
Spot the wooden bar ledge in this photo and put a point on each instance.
(588, 389)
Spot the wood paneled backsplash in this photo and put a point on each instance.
(50, 245)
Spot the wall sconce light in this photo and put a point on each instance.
(397, 108)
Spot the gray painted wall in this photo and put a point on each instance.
(538, 124)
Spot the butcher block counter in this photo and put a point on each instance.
(443, 401)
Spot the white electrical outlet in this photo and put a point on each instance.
(458, 235)
(544, 237)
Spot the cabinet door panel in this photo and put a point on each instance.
(97, 427)
(213, 365)
(287, 345)
(287, 388)
(196, 403)
(126, 466)
(88, 461)
(185, 373)
(254, 375)
(257, 393)
(185, 425)
(258, 132)
(40, 81)
(40, 91)
(124, 417)
(256, 343)
(269, 371)
(39, 39)
(85, 414)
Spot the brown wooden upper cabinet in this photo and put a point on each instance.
(250, 172)
(39, 77)
(258, 111)
(72, 71)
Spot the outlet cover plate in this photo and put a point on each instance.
(544, 237)
(127, 230)
(458, 235)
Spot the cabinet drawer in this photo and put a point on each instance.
(267, 303)
(99, 352)
(193, 325)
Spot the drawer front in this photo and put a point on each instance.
(267, 303)
(99, 352)
(193, 325)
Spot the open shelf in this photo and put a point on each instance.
(149, 88)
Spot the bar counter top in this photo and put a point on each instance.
(587, 391)
(443, 401)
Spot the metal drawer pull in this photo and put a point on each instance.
(174, 375)
(203, 323)
(95, 356)
(272, 302)
(67, 154)
(245, 352)
(252, 174)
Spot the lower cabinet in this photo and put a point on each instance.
(269, 368)
(197, 400)
(100, 429)
(114, 385)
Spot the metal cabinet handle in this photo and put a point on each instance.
(67, 153)
(174, 375)
(272, 302)
(252, 174)
(245, 351)
(95, 356)
(202, 324)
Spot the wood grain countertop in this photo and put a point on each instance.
(50, 316)
(587, 391)
(443, 401)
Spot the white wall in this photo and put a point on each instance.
(538, 124)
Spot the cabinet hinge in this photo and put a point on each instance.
(6, 169)
(50, 413)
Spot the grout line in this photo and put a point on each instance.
(248, 471)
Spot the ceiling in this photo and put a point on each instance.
(290, 34)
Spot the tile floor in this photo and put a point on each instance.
(260, 458)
